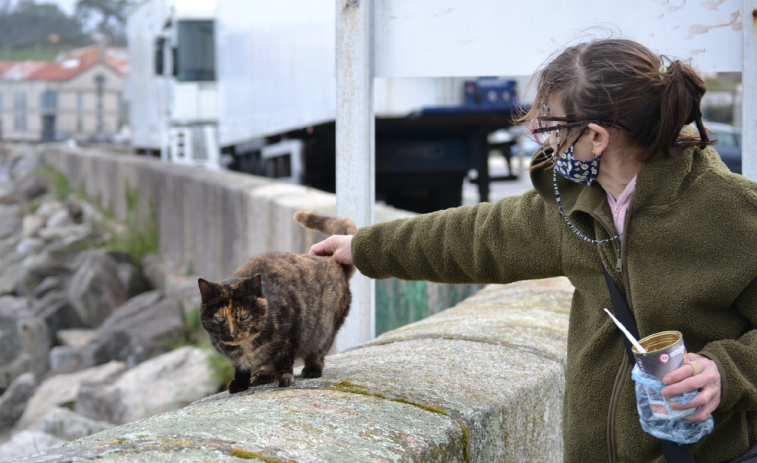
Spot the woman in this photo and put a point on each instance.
(623, 180)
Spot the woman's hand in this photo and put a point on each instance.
(338, 246)
(707, 381)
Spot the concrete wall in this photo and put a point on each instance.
(481, 382)
(209, 223)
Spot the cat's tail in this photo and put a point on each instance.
(329, 226)
(324, 224)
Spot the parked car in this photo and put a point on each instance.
(728, 145)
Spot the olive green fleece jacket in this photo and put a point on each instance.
(689, 258)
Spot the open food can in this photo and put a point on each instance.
(665, 353)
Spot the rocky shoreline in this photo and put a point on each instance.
(86, 343)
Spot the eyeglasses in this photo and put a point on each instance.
(540, 128)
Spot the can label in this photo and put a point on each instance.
(665, 353)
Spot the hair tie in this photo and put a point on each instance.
(663, 69)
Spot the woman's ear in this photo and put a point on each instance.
(600, 138)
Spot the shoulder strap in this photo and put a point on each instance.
(674, 453)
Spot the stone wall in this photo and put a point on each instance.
(209, 223)
(480, 382)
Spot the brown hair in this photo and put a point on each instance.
(620, 81)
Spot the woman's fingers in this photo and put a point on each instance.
(707, 381)
(338, 246)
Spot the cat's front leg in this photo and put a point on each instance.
(240, 382)
(284, 370)
(264, 375)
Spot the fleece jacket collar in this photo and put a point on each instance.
(661, 180)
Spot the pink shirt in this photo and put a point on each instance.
(620, 206)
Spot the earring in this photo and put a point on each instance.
(594, 153)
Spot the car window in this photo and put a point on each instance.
(727, 139)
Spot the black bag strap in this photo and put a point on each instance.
(674, 453)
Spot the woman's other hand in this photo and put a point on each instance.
(337, 246)
(707, 381)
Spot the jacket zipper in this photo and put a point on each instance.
(620, 378)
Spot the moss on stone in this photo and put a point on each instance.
(256, 456)
(466, 451)
(429, 408)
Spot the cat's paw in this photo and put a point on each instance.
(238, 386)
(312, 370)
(261, 377)
(286, 380)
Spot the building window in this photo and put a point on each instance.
(19, 107)
(48, 101)
(79, 111)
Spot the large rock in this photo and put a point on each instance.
(132, 279)
(28, 443)
(38, 267)
(68, 425)
(13, 401)
(9, 225)
(60, 218)
(62, 390)
(168, 382)
(57, 312)
(10, 278)
(24, 341)
(25, 189)
(95, 289)
(142, 328)
(32, 224)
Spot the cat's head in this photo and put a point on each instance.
(233, 310)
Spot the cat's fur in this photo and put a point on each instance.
(277, 307)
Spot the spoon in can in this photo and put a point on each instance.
(635, 343)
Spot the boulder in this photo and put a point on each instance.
(142, 328)
(75, 337)
(37, 267)
(30, 245)
(62, 390)
(10, 224)
(95, 289)
(64, 359)
(60, 218)
(25, 189)
(10, 278)
(28, 443)
(57, 312)
(49, 284)
(68, 425)
(168, 382)
(24, 341)
(13, 400)
(32, 224)
(132, 279)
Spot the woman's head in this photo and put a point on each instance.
(622, 83)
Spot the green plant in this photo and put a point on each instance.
(140, 238)
(222, 370)
(58, 181)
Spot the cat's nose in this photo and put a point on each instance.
(234, 333)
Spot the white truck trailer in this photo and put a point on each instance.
(250, 85)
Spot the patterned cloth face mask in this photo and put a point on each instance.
(577, 171)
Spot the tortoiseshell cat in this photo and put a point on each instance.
(277, 307)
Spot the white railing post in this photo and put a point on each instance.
(355, 146)
(749, 103)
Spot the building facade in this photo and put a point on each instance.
(79, 97)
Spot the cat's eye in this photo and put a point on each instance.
(219, 319)
(244, 316)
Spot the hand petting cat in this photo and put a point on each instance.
(338, 246)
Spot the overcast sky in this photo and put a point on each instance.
(65, 5)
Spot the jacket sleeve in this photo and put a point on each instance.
(515, 239)
(737, 358)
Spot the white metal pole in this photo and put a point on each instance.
(749, 104)
(355, 144)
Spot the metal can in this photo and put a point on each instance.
(665, 353)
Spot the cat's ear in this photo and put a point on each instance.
(257, 288)
(207, 290)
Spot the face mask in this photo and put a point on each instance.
(577, 171)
